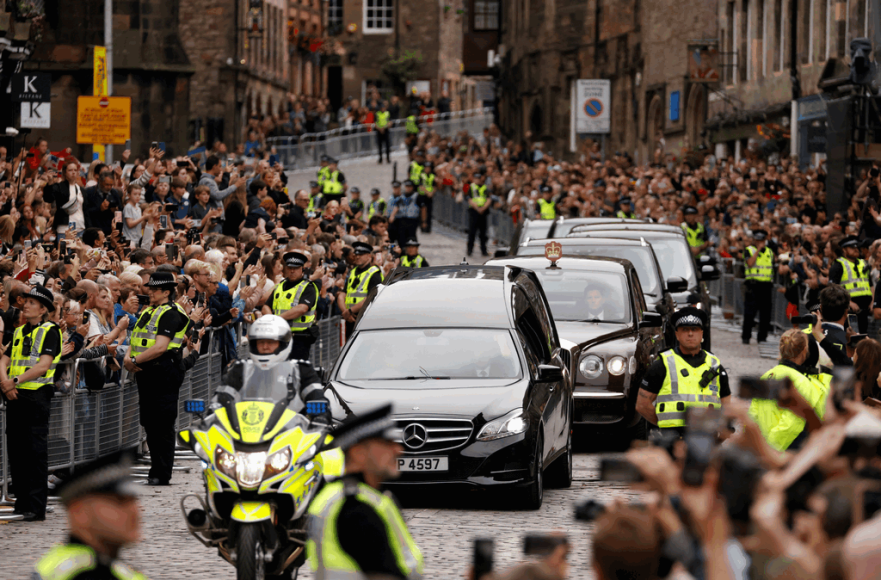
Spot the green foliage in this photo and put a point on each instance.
(402, 69)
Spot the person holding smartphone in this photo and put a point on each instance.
(101, 202)
(67, 195)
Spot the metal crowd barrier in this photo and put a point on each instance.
(305, 151)
(454, 214)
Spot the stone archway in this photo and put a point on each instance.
(654, 124)
(695, 114)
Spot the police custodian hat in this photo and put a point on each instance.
(43, 296)
(689, 210)
(361, 248)
(162, 280)
(111, 475)
(689, 316)
(295, 260)
(849, 242)
(375, 424)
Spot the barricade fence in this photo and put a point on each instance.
(87, 424)
(305, 151)
(451, 210)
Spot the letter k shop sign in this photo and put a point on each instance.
(36, 115)
(32, 87)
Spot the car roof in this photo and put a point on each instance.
(592, 263)
(584, 241)
(632, 227)
(440, 296)
(570, 223)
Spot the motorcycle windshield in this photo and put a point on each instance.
(270, 385)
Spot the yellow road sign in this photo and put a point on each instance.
(103, 120)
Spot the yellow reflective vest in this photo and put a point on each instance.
(763, 269)
(382, 118)
(416, 173)
(375, 208)
(323, 549)
(695, 236)
(478, 194)
(781, 426)
(682, 390)
(22, 360)
(855, 277)
(356, 286)
(412, 127)
(546, 209)
(332, 185)
(67, 561)
(144, 333)
(283, 300)
(414, 262)
(323, 174)
(427, 184)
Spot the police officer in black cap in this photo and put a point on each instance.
(758, 263)
(103, 517)
(625, 210)
(478, 206)
(316, 199)
(411, 257)
(695, 232)
(295, 299)
(154, 356)
(405, 214)
(683, 377)
(363, 278)
(26, 380)
(393, 201)
(427, 187)
(852, 272)
(377, 205)
(356, 204)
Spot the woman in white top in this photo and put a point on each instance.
(67, 196)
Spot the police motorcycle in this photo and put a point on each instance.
(264, 456)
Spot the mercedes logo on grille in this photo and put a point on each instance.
(415, 436)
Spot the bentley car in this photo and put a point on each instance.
(601, 313)
(471, 360)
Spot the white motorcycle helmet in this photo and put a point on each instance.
(270, 327)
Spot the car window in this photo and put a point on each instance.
(456, 353)
(544, 317)
(640, 256)
(674, 258)
(529, 324)
(532, 361)
(586, 295)
(638, 298)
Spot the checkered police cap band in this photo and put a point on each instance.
(690, 320)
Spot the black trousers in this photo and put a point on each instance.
(476, 225)
(757, 301)
(27, 436)
(407, 228)
(158, 391)
(428, 204)
(302, 344)
(383, 137)
(865, 304)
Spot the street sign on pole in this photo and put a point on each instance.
(32, 87)
(36, 115)
(593, 106)
(103, 120)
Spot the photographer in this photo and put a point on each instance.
(829, 332)
(101, 201)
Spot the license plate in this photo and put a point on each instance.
(423, 464)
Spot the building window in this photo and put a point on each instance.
(674, 106)
(486, 15)
(379, 16)
(334, 17)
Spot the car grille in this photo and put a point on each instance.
(426, 435)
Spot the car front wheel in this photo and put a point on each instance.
(530, 497)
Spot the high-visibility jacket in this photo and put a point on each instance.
(762, 270)
(781, 426)
(326, 555)
(412, 127)
(427, 183)
(855, 277)
(356, 286)
(695, 235)
(323, 174)
(626, 216)
(414, 262)
(416, 173)
(22, 361)
(144, 333)
(382, 119)
(546, 209)
(67, 561)
(315, 202)
(478, 194)
(375, 208)
(283, 300)
(332, 185)
(682, 389)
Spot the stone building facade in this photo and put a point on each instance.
(305, 25)
(150, 66)
(238, 75)
(641, 47)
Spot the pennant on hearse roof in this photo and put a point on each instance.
(553, 252)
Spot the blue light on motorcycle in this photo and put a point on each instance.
(316, 407)
(194, 406)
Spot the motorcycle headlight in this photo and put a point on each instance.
(225, 462)
(511, 424)
(617, 365)
(591, 366)
(250, 468)
(278, 462)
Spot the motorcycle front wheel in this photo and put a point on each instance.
(250, 564)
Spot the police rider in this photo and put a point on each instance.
(683, 377)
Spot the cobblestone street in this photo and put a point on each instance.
(443, 524)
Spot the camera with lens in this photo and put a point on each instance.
(806, 319)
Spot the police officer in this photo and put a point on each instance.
(356, 204)
(411, 257)
(334, 188)
(478, 206)
(154, 357)
(323, 170)
(625, 210)
(414, 172)
(26, 380)
(377, 205)
(695, 233)
(397, 196)
(383, 116)
(547, 209)
(683, 377)
(295, 300)
(363, 278)
(316, 198)
(851, 272)
(758, 271)
(103, 517)
(405, 214)
(412, 131)
(426, 195)
(355, 531)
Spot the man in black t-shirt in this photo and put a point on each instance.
(28, 387)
